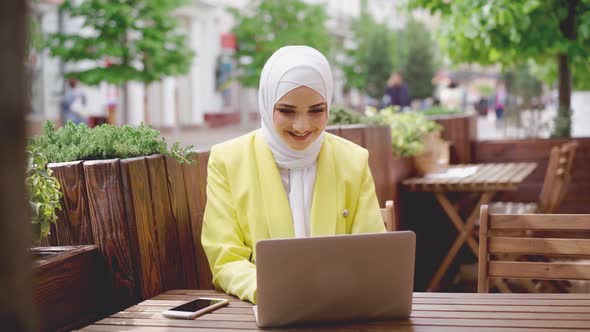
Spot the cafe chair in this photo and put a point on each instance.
(502, 237)
(557, 179)
(388, 214)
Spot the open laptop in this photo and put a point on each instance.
(335, 278)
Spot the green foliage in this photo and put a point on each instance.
(78, 142)
(521, 83)
(419, 68)
(369, 63)
(340, 115)
(269, 25)
(509, 32)
(439, 110)
(43, 193)
(407, 129)
(139, 38)
(562, 127)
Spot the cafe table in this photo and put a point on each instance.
(482, 180)
(431, 312)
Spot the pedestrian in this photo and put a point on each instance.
(396, 92)
(500, 102)
(73, 103)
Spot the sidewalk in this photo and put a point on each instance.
(204, 138)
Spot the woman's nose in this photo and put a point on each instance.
(301, 124)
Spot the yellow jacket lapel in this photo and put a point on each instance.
(274, 197)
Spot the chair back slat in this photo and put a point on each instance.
(388, 215)
(557, 177)
(495, 246)
(540, 270)
(520, 245)
(539, 221)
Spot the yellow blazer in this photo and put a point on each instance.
(247, 202)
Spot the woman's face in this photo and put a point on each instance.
(300, 116)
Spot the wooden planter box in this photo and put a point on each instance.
(140, 213)
(459, 131)
(68, 286)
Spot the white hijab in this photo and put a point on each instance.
(288, 68)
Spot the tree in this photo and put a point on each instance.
(369, 60)
(262, 29)
(418, 69)
(550, 32)
(127, 40)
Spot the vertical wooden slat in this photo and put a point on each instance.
(73, 224)
(195, 179)
(178, 199)
(109, 227)
(377, 141)
(166, 225)
(353, 133)
(142, 229)
(483, 284)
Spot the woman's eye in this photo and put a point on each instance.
(317, 110)
(285, 111)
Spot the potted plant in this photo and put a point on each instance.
(414, 137)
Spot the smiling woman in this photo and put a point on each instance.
(288, 179)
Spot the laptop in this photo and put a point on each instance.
(340, 278)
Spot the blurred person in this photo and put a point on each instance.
(74, 101)
(500, 98)
(288, 179)
(396, 92)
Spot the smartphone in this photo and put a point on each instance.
(195, 308)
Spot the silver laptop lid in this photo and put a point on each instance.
(335, 278)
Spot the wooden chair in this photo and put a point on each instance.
(497, 238)
(557, 179)
(388, 214)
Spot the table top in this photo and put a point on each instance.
(456, 312)
(488, 177)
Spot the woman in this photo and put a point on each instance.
(288, 179)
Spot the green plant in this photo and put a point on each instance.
(508, 32)
(340, 115)
(407, 131)
(130, 40)
(438, 110)
(43, 192)
(562, 123)
(79, 142)
(419, 66)
(267, 25)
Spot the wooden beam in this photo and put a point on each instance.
(16, 304)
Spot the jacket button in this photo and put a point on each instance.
(345, 213)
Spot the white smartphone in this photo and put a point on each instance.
(195, 308)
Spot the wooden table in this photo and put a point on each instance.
(486, 181)
(449, 312)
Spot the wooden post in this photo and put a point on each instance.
(16, 305)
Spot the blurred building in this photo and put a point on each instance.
(206, 96)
